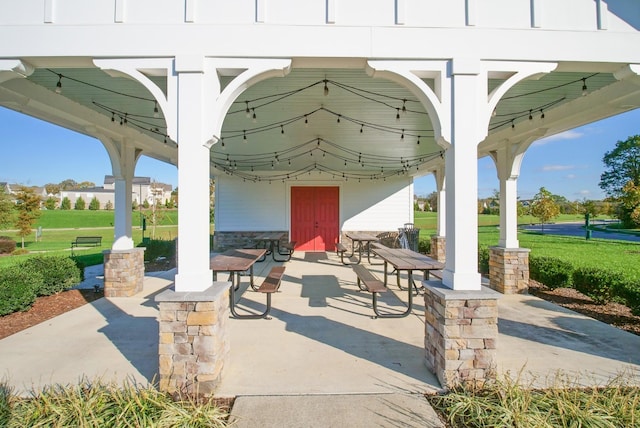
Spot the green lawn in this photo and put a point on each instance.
(57, 219)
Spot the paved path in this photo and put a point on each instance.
(577, 229)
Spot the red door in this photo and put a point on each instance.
(314, 218)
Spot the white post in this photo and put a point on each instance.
(441, 228)
(508, 169)
(461, 159)
(194, 273)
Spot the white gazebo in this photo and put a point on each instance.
(356, 95)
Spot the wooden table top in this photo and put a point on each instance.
(236, 259)
(359, 236)
(270, 236)
(402, 258)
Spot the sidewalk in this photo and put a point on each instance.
(321, 361)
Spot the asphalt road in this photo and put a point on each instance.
(577, 229)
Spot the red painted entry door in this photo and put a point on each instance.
(314, 218)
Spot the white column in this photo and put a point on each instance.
(441, 227)
(123, 157)
(508, 169)
(122, 218)
(194, 273)
(467, 89)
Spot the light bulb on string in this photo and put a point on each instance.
(584, 86)
(326, 88)
(397, 115)
(59, 84)
(254, 115)
(541, 114)
(338, 118)
(530, 116)
(306, 121)
(247, 111)
(404, 106)
(244, 135)
(361, 128)
(156, 113)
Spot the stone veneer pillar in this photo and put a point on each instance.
(194, 344)
(509, 269)
(438, 247)
(461, 334)
(123, 272)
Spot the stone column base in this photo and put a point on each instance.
(509, 269)
(123, 272)
(438, 248)
(461, 334)
(194, 344)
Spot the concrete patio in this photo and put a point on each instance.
(321, 340)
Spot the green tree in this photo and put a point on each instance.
(432, 198)
(68, 184)
(134, 205)
(28, 206)
(80, 204)
(86, 185)
(94, 205)
(145, 204)
(622, 165)
(52, 188)
(544, 207)
(630, 204)
(7, 209)
(65, 204)
(51, 203)
(108, 206)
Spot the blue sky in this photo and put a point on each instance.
(34, 152)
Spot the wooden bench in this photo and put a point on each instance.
(86, 241)
(289, 248)
(340, 250)
(367, 281)
(270, 285)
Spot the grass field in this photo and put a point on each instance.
(61, 227)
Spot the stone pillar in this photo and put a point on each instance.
(438, 247)
(123, 272)
(194, 343)
(461, 334)
(509, 269)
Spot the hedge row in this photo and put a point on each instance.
(601, 285)
(36, 276)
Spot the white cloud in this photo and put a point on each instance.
(558, 167)
(567, 135)
(571, 176)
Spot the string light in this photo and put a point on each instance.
(326, 88)
(156, 113)
(59, 84)
(584, 86)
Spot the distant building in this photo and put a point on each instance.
(142, 189)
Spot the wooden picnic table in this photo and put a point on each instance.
(271, 243)
(236, 261)
(409, 260)
(361, 240)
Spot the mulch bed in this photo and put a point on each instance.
(611, 313)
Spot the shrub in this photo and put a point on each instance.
(94, 205)
(597, 283)
(18, 289)
(158, 248)
(7, 245)
(59, 273)
(424, 246)
(65, 204)
(483, 259)
(550, 271)
(630, 292)
(80, 204)
(19, 251)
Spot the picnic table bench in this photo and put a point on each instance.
(270, 285)
(367, 281)
(86, 241)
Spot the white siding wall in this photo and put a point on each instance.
(248, 206)
(622, 15)
(377, 206)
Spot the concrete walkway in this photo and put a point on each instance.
(322, 360)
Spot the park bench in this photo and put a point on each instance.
(367, 281)
(86, 241)
(270, 285)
